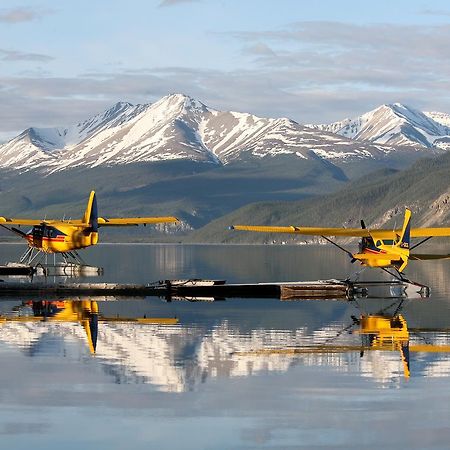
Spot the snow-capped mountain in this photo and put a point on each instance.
(33, 146)
(396, 124)
(178, 127)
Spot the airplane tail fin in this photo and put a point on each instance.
(404, 239)
(91, 214)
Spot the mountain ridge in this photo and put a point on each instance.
(180, 127)
(396, 124)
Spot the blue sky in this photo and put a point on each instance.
(311, 61)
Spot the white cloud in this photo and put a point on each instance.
(14, 55)
(311, 72)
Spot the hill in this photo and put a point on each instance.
(379, 199)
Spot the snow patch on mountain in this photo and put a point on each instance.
(439, 117)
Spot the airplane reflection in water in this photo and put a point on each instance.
(383, 332)
(84, 312)
(176, 357)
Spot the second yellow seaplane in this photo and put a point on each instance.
(383, 248)
(65, 237)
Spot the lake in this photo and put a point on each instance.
(231, 374)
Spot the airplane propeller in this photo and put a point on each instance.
(366, 241)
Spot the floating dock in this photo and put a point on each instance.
(325, 289)
(17, 270)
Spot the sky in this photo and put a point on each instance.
(314, 62)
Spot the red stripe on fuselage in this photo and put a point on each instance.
(377, 252)
(57, 239)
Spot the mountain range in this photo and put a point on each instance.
(179, 156)
(178, 127)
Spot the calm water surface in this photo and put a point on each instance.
(239, 373)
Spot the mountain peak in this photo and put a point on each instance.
(46, 139)
(392, 124)
(178, 100)
(119, 106)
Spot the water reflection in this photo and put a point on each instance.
(178, 356)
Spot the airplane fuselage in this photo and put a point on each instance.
(61, 238)
(381, 253)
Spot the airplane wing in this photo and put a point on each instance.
(30, 222)
(349, 232)
(6, 222)
(430, 232)
(102, 221)
(317, 231)
(314, 231)
(130, 221)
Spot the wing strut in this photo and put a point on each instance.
(15, 230)
(350, 254)
(421, 242)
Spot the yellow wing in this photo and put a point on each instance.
(313, 231)
(30, 222)
(430, 232)
(6, 222)
(349, 232)
(102, 221)
(130, 221)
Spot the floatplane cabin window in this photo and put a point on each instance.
(40, 231)
(385, 242)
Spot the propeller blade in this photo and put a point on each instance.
(363, 225)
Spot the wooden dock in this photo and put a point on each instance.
(325, 289)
